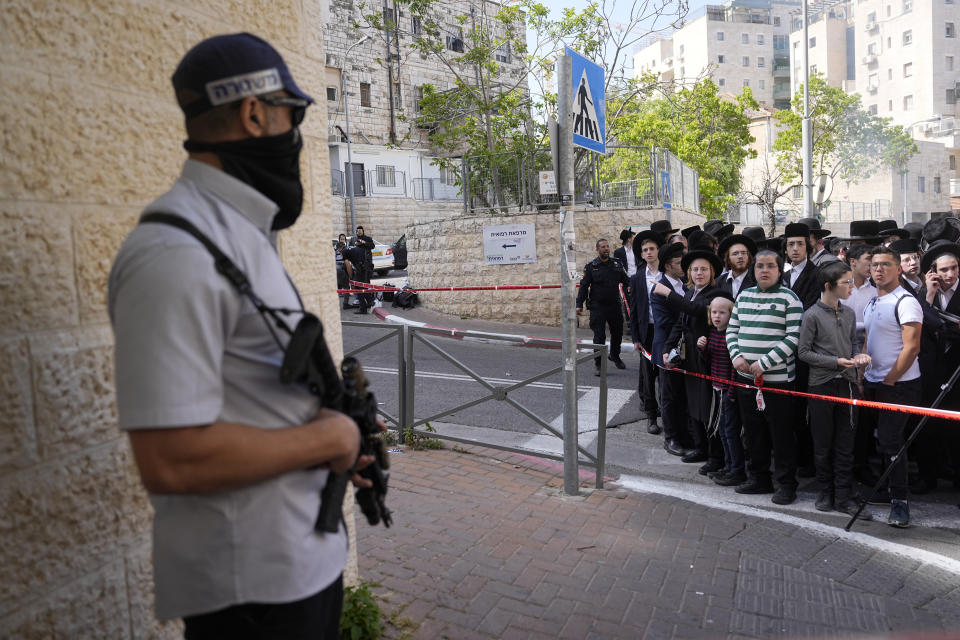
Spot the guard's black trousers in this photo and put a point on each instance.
(600, 317)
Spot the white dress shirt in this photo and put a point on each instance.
(795, 272)
(946, 295)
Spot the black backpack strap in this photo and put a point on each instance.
(224, 265)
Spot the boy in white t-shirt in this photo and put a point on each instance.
(893, 322)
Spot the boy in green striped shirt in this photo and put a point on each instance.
(762, 337)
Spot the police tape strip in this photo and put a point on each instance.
(376, 288)
(869, 404)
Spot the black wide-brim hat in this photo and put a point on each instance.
(895, 231)
(889, 223)
(936, 250)
(663, 227)
(757, 234)
(737, 238)
(717, 228)
(706, 254)
(905, 245)
(915, 229)
(642, 237)
(796, 230)
(864, 230)
(944, 228)
(686, 232)
(815, 229)
(670, 251)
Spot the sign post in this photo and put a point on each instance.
(568, 274)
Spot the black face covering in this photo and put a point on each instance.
(271, 165)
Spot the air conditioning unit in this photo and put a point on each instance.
(870, 58)
(333, 60)
(870, 25)
(871, 88)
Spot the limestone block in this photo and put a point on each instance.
(114, 148)
(36, 269)
(18, 439)
(97, 235)
(67, 518)
(74, 390)
(139, 574)
(94, 606)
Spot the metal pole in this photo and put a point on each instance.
(602, 420)
(806, 126)
(906, 173)
(568, 270)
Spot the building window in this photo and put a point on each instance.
(416, 27)
(386, 176)
(781, 42)
(872, 49)
(872, 16)
(761, 61)
(813, 42)
(907, 6)
(951, 30)
(417, 98)
(746, 82)
(389, 18)
(746, 61)
(889, 105)
(681, 49)
(721, 82)
(907, 69)
(503, 53)
(952, 95)
(907, 103)
(455, 41)
(332, 94)
(889, 42)
(813, 68)
(889, 10)
(936, 184)
(448, 175)
(760, 39)
(872, 109)
(948, 63)
(873, 80)
(953, 163)
(797, 192)
(745, 38)
(889, 74)
(921, 184)
(776, 21)
(719, 35)
(721, 59)
(762, 83)
(907, 37)
(364, 94)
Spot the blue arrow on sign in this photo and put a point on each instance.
(589, 105)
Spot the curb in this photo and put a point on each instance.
(481, 336)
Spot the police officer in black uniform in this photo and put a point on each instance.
(601, 278)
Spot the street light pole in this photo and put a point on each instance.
(348, 174)
(805, 126)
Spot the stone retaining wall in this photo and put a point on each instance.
(386, 219)
(91, 134)
(449, 253)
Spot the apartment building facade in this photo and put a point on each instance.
(903, 58)
(395, 182)
(740, 43)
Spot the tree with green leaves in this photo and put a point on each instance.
(707, 130)
(849, 143)
(486, 111)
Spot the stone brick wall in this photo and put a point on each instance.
(449, 253)
(386, 219)
(91, 134)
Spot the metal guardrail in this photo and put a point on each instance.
(405, 422)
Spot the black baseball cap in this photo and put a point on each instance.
(227, 68)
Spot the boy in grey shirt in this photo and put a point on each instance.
(827, 344)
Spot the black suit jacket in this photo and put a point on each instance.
(806, 287)
(694, 322)
(664, 319)
(639, 306)
(621, 255)
(749, 280)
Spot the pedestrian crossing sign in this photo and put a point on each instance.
(589, 106)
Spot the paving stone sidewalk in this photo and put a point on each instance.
(484, 545)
